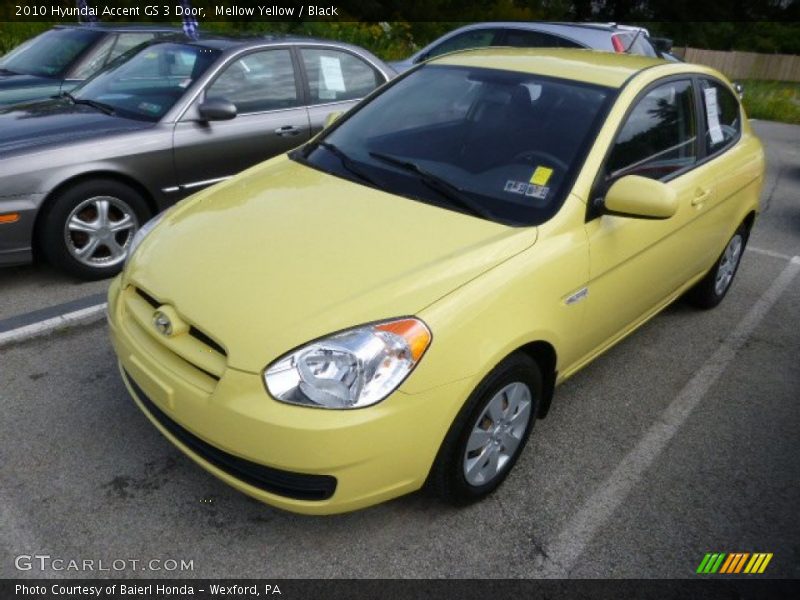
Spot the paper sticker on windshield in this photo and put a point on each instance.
(712, 111)
(526, 189)
(515, 187)
(537, 191)
(185, 83)
(541, 175)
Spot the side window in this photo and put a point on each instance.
(126, 41)
(95, 59)
(659, 136)
(335, 76)
(722, 115)
(520, 38)
(257, 82)
(479, 38)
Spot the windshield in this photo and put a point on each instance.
(50, 54)
(496, 144)
(148, 82)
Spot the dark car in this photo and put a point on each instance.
(61, 58)
(81, 173)
(598, 36)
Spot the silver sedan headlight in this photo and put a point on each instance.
(352, 369)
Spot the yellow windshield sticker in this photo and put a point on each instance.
(541, 175)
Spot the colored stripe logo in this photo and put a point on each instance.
(734, 563)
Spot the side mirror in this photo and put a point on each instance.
(217, 109)
(331, 118)
(640, 197)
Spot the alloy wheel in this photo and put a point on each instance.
(497, 434)
(99, 231)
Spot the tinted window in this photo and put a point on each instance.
(95, 59)
(536, 39)
(126, 41)
(659, 136)
(505, 142)
(335, 76)
(478, 38)
(722, 115)
(51, 53)
(258, 82)
(636, 44)
(151, 81)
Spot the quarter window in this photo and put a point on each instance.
(722, 115)
(659, 136)
(335, 76)
(258, 82)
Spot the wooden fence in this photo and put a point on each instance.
(746, 65)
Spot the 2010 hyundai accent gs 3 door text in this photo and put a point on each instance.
(392, 304)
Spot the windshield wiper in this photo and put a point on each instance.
(5, 71)
(101, 106)
(450, 191)
(346, 161)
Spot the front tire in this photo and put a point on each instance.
(489, 434)
(88, 228)
(710, 290)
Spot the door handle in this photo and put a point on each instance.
(287, 130)
(700, 196)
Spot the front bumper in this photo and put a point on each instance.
(363, 456)
(16, 238)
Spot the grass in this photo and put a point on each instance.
(772, 100)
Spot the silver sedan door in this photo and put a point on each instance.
(271, 118)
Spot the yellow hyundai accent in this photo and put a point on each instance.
(391, 305)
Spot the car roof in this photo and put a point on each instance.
(221, 42)
(117, 27)
(610, 27)
(591, 66)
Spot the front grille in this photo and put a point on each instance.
(193, 331)
(299, 486)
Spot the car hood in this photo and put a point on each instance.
(17, 87)
(284, 254)
(50, 122)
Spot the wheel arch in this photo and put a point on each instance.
(544, 354)
(81, 178)
(749, 221)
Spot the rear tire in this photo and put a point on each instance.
(489, 433)
(87, 229)
(710, 290)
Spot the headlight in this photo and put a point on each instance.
(352, 369)
(145, 229)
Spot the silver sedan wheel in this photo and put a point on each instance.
(728, 264)
(497, 434)
(99, 231)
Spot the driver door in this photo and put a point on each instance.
(271, 118)
(638, 264)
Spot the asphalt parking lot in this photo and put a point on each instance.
(681, 440)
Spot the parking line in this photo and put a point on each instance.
(47, 320)
(766, 252)
(583, 526)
